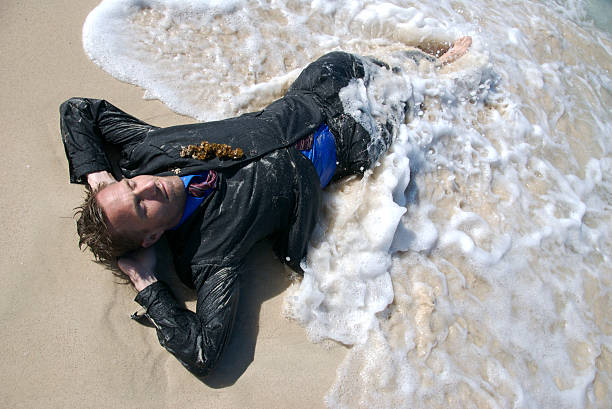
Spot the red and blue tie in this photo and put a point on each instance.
(202, 185)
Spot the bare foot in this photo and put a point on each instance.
(459, 49)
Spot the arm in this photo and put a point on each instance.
(89, 127)
(197, 339)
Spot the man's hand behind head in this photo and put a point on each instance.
(139, 266)
(96, 179)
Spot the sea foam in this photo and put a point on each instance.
(470, 266)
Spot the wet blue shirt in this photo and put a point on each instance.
(191, 202)
(323, 154)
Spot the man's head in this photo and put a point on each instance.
(120, 217)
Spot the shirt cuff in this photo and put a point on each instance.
(156, 293)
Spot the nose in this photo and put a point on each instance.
(146, 189)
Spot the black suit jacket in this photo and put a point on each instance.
(272, 190)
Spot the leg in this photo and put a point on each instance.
(327, 76)
(356, 150)
(417, 55)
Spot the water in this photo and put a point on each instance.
(471, 266)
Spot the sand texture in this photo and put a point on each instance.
(66, 334)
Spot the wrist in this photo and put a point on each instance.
(143, 282)
(140, 278)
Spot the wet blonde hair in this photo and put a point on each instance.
(96, 233)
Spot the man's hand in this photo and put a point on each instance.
(95, 179)
(139, 266)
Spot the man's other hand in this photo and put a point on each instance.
(139, 266)
(97, 178)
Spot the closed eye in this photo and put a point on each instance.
(139, 206)
(130, 185)
(143, 207)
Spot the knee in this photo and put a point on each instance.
(339, 66)
(336, 55)
(337, 58)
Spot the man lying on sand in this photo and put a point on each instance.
(214, 189)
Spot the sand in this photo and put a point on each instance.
(66, 334)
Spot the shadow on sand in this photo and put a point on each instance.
(263, 278)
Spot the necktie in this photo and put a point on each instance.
(305, 144)
(201, 185)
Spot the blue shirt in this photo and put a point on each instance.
(323, 154)
(191, 202)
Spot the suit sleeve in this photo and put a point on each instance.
(197, 339)
(93, 128)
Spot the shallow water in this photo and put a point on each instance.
(471, 267)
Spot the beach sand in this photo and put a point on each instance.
(67, 337)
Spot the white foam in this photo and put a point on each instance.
(470, 267)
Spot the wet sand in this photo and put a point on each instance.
(67, 337)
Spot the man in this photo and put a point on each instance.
(214, 189)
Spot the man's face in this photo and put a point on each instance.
(146, 204)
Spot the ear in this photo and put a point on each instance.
(151, 238)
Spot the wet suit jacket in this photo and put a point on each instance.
(272, 191)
